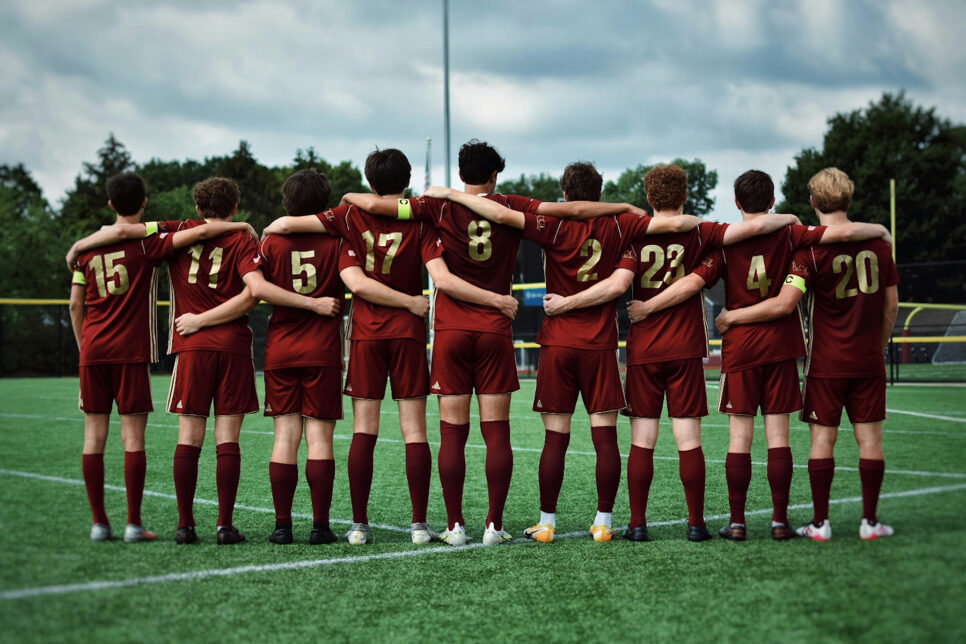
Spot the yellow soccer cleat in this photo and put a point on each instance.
(602, 532)
(542, 532)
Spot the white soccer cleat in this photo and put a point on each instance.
(454, 537)
(494, 537)
(134, 533)
(872, 531)
(101, 532)
(816, 533)
(421, 534)
(359, 534)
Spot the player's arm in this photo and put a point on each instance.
(482, 206)
(209, 230)
(288, 225)
(681, 290)
(460, 289)
(758, 226)
(855, 231)
(675, 224)
(262, 289)
(240, 305)
(890, 311)
(603, 291)
(104, 237)
(370, 290)
(373, 203)
(580, 210)
(77, 307)
(772, 308)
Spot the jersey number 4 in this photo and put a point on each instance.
(105, 272)
(757, 277)
(865, 266)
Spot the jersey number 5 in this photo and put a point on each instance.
(310, 281)
(105, 270)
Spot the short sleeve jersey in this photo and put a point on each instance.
(121, 296)
(577, 255)
(679, 332)
(846, 297)
(478, 251)
(391, 252)
(203, 276)
(754, 270)
(308, 265)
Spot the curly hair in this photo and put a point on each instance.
(581, 182)
(666, 187)
(478, 160)
(216, 197)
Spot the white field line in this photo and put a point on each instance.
(924, 415)
(63, 589)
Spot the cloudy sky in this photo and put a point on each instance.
(738, 84)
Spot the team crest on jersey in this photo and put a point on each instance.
(541, 222)
(629, 254)
(798, 268)
(329, 215)
(708, 261)
(352, 253)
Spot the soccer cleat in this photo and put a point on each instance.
(782, 531)
(359, 534)
(421, 534)
(602, 532)
(281, 536)
(454, 537)
(134, 533)
(229, 536)
(322, 535)
(101, 532)
(494, 537)
(733, 532)
(636, 533)
(872, 531)
(822, 532)
(185, 535)
(698, 533)
(542, 532)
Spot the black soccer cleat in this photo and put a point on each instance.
(782, 531)
(636, 533)
(281, 536)
(185, 535)
(322, 535)
(229, 536)
(733, 532)
(698, 533)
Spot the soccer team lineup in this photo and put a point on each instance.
(376, 245)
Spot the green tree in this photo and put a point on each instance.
(539, 186)
(629, 186)
(85, 209)
(261, 201)
(344, 177)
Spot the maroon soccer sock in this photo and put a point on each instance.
(871, 472)
(820, 474)
(93, 467)
(185, 481)
(419, 470)
(360, 474)
(738, 475)
(135, 468)
(640, 473)
(284, 478)
(608, 470)
(551, 470)
(227, 476)
(692, 472)
(452, 469)
(499, 467)
(780, 481)
(320, 475)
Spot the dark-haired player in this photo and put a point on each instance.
(852, 307)
(113, 304)
(759, 366)
(578, 354)
(664, 353)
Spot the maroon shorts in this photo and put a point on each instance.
(403, 361)
(315, 392)
(863, 398)
(203, 377)
(773, 387)
(128, 384)
(682, 380)
(565, 371)
(468, 360)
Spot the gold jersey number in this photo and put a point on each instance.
(111, 277)
(865, 267)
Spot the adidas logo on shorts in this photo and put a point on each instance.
(179, 405)
(813, 416)
(436, 385)
(348, 387)
(539, 405)
(268, 408)
(728, 406)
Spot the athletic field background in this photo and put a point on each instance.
(56, 585)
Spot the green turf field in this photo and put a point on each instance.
(57, 585)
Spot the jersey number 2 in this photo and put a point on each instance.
(865, 264)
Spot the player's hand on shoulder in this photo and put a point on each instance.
(637, 311)
(553, 303)
(437, 192)
(251, 231)
(188, 323)
(508, 306)
(71, 258)
(419, 305)
(723, 321)
(640, 212)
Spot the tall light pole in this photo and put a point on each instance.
(446, 84)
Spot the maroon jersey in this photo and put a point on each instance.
(681, 331)
(478, 251)
(577, 255)
(391, 252)
(847, 284)
(308, 265)
(203, 276)
(121, 297)
(754, 270)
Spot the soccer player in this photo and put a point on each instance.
(852, 306)
(113, 304)
(578, 353)
(473, 343)
(759, 367)
(664, 353)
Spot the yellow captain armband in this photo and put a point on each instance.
(79, 278)
(150, 228)
(405, 210)
(797, 282)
